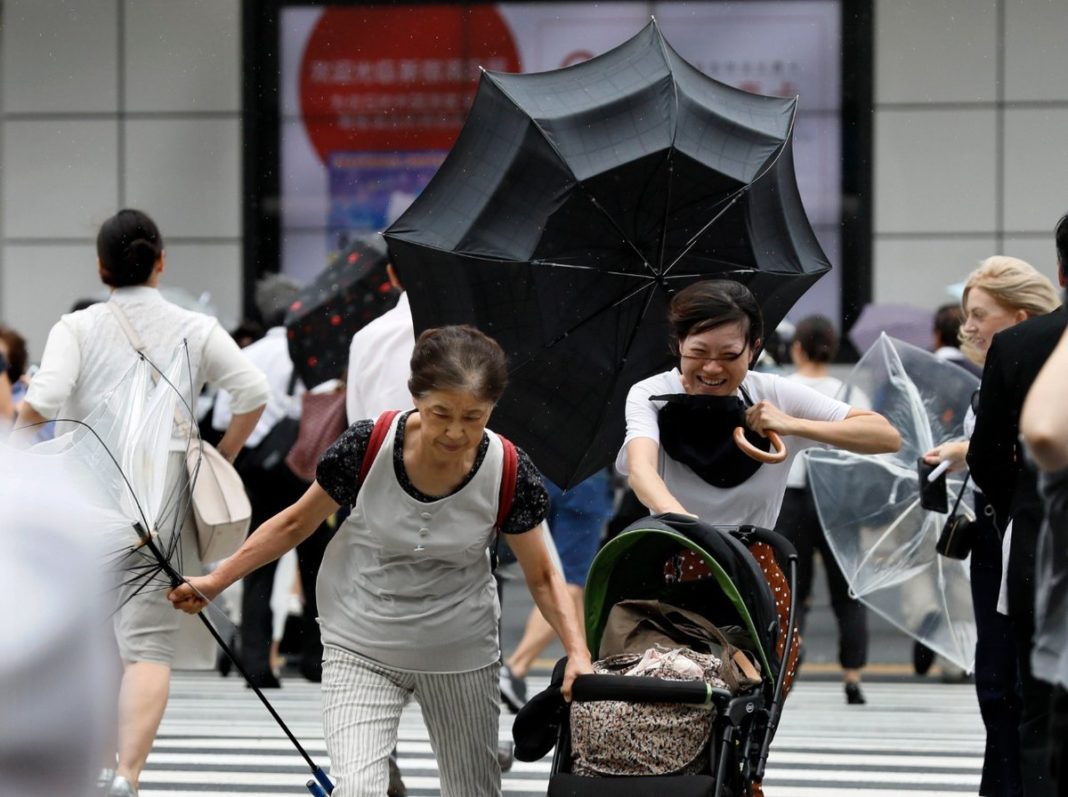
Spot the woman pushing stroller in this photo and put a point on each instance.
(407, 601)
(679, 454)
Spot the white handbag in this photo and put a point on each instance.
(221, 508)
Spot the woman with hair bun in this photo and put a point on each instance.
(86, 356)
(814, 346)
(407, 601)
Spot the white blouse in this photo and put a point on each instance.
(87, 354)
(757, 500)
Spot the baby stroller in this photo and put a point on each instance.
(732, 588)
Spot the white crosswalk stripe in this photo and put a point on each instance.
(924, 739)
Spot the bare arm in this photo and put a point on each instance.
(237, 432)
(861, 431)
(1044, 421)
(643, 453)
(274, 537)
(546, 585)
(7, 406)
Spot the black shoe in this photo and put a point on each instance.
(854, 696)
(396, 785)
(922, 658)
(264, 682)
(513, 689)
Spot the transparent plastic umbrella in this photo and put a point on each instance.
(869, 505)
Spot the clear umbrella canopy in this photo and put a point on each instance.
(869, 505)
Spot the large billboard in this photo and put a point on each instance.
(373, 97)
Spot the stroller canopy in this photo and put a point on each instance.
(632, 566)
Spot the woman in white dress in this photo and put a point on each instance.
(85, 358)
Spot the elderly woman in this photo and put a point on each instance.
(407, 601)
(717, 328)
(86, 356)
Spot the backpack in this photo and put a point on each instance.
(509, 472)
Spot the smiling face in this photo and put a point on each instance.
(714, 362)
(452, 421)
(984, 317)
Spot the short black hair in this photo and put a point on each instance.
(817, 338)
(712, 303)
(947, 321)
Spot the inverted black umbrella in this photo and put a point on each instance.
(574, 203)
(348, 294)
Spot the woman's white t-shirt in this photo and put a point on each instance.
(755, 501)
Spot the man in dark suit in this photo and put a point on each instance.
(1010, 485)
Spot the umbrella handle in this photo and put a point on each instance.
(769, 457)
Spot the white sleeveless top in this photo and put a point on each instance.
(408, 583)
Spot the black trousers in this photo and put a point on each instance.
(997, 679)
(1058, 734)
(1037, 694)
(799, 523)
(269, 493)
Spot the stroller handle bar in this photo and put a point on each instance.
(640, 689)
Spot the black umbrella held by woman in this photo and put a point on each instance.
(574, 203)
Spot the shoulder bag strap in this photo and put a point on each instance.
(509, 474)
(960, 495)
(124, 324)
(374, 444)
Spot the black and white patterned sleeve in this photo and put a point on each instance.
(530, 506)
(338, 471)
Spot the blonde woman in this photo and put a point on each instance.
(999, 294)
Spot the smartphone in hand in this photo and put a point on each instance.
(932, 494)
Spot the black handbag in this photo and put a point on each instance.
(958, 535)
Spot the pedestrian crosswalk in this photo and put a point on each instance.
(927, 738)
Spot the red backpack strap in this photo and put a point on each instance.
(374, 444)
(509, 474)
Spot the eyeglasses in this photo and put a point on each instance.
(705, 358)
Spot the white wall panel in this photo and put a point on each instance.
(1034, 49)
(60, 177)
(187, 174)
(934, 171)
(935, 50)
(183, 56)
(59, 56)
(1037, 249)
(917, 271)
(214, 269)
(1036, 168)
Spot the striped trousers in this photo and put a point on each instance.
(362, 705)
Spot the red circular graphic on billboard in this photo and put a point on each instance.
(398, 78)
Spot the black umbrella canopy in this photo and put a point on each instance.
(574, 203)
(348, 294)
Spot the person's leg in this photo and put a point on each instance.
(791, 524)
(996, 678)
(310, 557)
(142, 701)
(269, 493)
(461, 711)
(362, 705)
(1058, 734)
